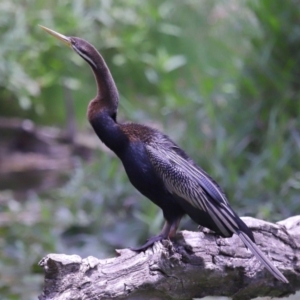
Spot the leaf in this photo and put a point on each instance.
(174, 63)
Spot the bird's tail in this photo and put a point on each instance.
(260, 256)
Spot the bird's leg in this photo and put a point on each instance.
(174, 227)
(168, 231)
(164, 234)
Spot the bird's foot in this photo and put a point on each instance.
(149, 243)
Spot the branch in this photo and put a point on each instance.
(197, 264)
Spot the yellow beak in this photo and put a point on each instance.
(66, 40)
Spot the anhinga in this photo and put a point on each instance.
(157, 167)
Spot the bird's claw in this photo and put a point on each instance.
(149, 243)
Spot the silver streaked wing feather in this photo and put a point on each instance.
(182, 178)
(176, 180)
(186, 168)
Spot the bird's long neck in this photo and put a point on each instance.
(107, 91)
(107, 97)
(102, 110)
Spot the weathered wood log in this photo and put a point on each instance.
(195, 265)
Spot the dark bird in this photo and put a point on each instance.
(157, 167)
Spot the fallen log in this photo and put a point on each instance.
(195, 265)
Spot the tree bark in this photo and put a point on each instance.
(195, 265)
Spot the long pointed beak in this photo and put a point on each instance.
(66, 40)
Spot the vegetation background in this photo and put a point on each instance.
(220, 77)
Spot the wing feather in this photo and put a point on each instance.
(184, 179)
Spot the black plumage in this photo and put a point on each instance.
(157, 167)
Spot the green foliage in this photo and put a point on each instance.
(267, 99)
(220, 77)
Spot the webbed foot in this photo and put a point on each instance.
(149, 243)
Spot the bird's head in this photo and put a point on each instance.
(107, 96)
(80, 46)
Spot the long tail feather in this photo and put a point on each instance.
(260, 256)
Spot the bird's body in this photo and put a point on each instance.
(146, 154)
(157, 167)
(131, 147)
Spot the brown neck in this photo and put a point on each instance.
(107, 97)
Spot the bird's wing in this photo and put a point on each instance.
(187, 181)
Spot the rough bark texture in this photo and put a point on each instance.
(197, 264)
